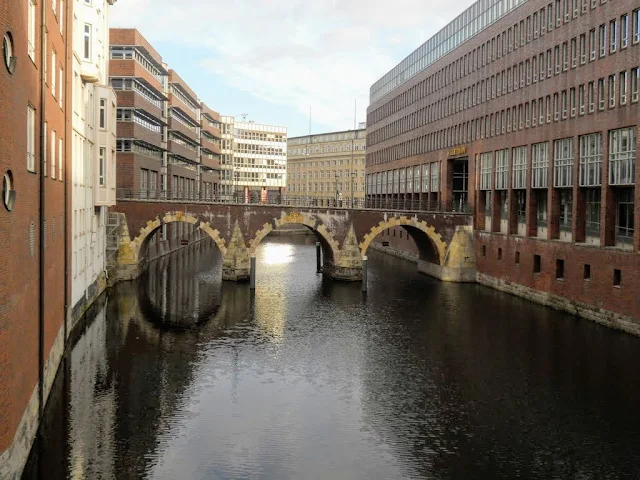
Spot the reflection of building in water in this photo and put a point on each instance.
(183, 288)
(172, 237)
(92, 406)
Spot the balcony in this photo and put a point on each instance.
(214, 131)
(176, 126)
(131, 68)
(213, 147)
(184, 152)
(176, 102)
(213, 163)
(89, 72)
(131, 99)
(133, 130)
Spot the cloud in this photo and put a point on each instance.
(296, 53)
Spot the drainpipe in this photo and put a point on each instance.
(68, 166)
(43, 143)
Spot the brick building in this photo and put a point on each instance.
(327, 169)
(528, 112)
(35, 122)
(168, 140)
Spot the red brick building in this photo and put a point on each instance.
(168, 141)
(526, 111)
(34, 148)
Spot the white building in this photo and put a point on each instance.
(93, 187)
(254, 161)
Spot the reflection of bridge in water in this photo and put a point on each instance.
(183, 289)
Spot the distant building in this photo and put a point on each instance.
(328, 168)
(254, 161)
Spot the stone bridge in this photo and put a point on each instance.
(444, 240)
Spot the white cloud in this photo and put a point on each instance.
(297, 53)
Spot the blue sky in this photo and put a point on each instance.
(275, 59)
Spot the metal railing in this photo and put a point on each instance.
(399, 204)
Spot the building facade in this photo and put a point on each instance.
(93, 152)
(527, 111)
(35, 126)
(327, 169)
(254, 161)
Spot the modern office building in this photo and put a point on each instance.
(254, 161)
(93, 152)
(168, 140)
(35, 126)
(327, 168)
(528, 111)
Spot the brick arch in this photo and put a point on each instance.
(428, 241)
(140, 243)
(330, 246)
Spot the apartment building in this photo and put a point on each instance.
(327, 169)
(93, 152)
(254, 161)
(527, 110)
(35, 126)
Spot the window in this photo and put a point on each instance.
(53, 72)
(592, 95)
(565, 56)
(586, 272)
(521, 206)
(601, 100)
(31, 33)
(559, 269)
(541, 207)
(581, 99)
(61, 18)
(612, 91)
(613, 36)
(583, 49)
(617, 277)
(636, 25)
(602, 39)
(540, 165)
(103, 108)
(517, 258)
(102, 166)
(556, 55)
(502, 169)
(60, 158)
(60, 86)
(592, 45)
(536, 264)
(53, 154)
(566, 209)
(592, 211)
(563, 163)
(624, 31)
(635, 82)
(591, 160)
(623, 88)
(486, 167)
(622, 155)
(87, 42)
(31, 139)
(624, 215)
(519, 168)
(572, 101)
(574, 53)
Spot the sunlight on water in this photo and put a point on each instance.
(276, 254)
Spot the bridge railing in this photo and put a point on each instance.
(399, 204)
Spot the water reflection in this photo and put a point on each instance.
(309, 379)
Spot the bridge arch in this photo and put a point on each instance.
(140, 243)
(429, 242)
(330, 247)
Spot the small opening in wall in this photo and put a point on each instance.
(617, 277)
(559, 269)
(536, 264)
(518, 258)
(484, 251)
(499, 253)
(587, 272)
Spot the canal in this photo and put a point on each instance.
(179, 377)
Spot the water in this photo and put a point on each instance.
(178, 378)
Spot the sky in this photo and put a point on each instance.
(282, 62)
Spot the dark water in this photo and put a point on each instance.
(311, 380)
